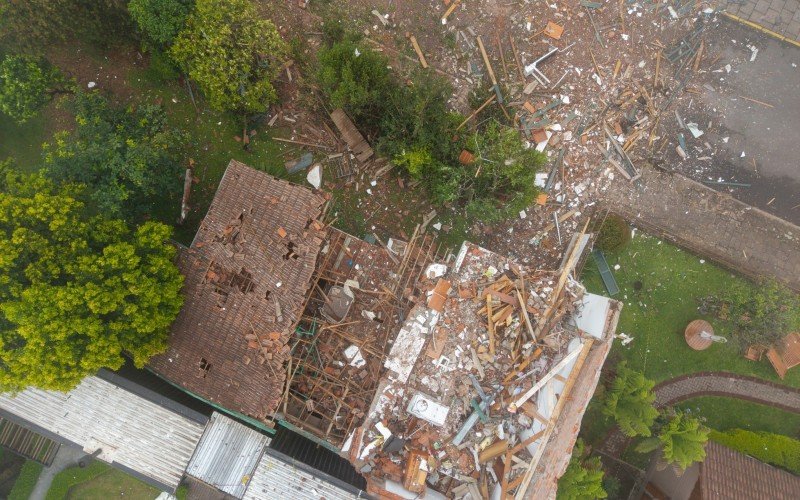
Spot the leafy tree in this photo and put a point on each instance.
(682, 441)
(583, 479)
(231, 54)
(764, 315)
(77, 291)
(357, 79)
(505, 172)
(33, 24)
(125, 157)
(160, 20)
(630, 400)
(27, 84)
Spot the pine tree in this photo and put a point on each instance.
(583, 479)
(630, 402)
(682, 441)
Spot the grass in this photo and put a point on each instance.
(671, 282)
(722, 414)
(26, 480)
(23, 142)
(97, 481)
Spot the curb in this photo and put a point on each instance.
(762, 29)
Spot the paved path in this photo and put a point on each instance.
(67, 456)
(709, 223)
(725, 384)
(780, 16)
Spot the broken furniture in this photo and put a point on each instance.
(785, 355)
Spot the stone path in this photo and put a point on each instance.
(780, 16)
(725, 384)
(709, 223)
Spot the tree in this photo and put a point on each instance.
(762, 315)
(125, 157)
(583, 479)
(231, 54)
(77, 291)
(682, 441)
(357, 79)
(505, 173)
(160, 20)
(31, 25)
(630, 402)
(27, 84)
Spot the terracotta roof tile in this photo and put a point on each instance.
(730, 475)
(244, 290)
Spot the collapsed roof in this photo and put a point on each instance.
(246, 276)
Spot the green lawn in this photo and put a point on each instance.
(26, 480)
(22, 142)
(98, 481)
(671, 282)
(722, 413)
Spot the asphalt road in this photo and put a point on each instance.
(768, 134)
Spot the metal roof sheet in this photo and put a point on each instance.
(275, 478)
(131, 431)
(227, 455)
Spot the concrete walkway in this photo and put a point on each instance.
(66, 457)
(724, 384)
(780, 16)
(709, 223)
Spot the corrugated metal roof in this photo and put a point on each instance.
(227, 455)
(131, 431)
(276, 479)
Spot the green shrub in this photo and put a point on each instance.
(763, 316)
(26, 480)
(68, 478)
(160, 20)
(780, 451)
(614, 234)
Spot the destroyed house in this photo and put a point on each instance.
(246, 275)
(461, 374)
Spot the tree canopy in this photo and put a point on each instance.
(630, 402)
(160, 20)
(77, 291)
(125, 157)
(26, 84)
(682, 441)
(31, 25)
(232, 54)
(583, 479)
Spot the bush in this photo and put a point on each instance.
(26, 481)
(27, 84)
(160, 20)
(764, 316)
(583, 478)
(775, 449)
(629, 401)
(614, 234)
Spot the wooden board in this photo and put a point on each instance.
(351, 135)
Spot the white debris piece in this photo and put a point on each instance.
(426, 408)
(696, 132)
(353, 355)
(314, 176)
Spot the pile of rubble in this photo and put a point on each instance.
(477, 378)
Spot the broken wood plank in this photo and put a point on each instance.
(542, 381)
(488, 64)
(492, 451)
(475, 113)
(450, 10)
(490, 324)
(418, 50)
(302, 143)
(525, 316)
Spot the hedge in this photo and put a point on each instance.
(26, 481)
(781, 451)
(68, 478)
